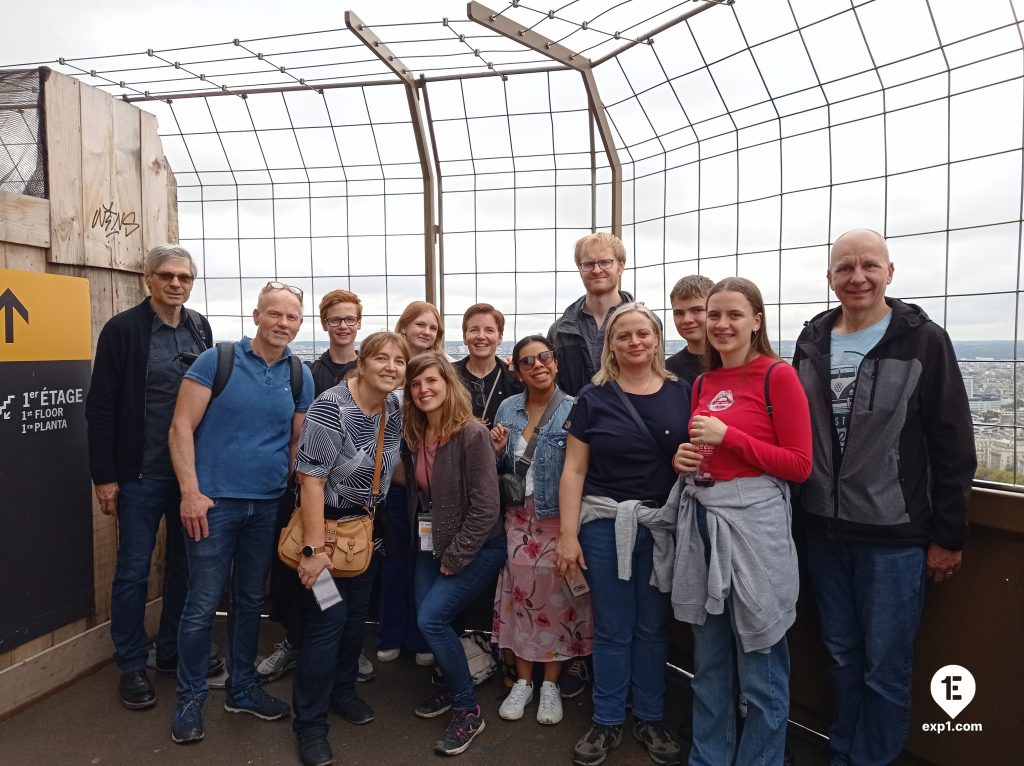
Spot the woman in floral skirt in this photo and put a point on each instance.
(535, 616)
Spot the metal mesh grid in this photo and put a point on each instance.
(750, 136)
(22, 155)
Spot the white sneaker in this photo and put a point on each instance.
(424, 659)
(388, 655)
(516, 701)
(549, 709)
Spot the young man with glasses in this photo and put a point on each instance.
(578, 334)
(232, 455)
(141, 356)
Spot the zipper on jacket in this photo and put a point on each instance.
(874, 384)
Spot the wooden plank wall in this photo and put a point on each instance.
(112, 198)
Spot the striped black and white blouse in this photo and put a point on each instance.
(338, 443)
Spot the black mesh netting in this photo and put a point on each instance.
(22, 155)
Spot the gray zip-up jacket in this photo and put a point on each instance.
(906, 471)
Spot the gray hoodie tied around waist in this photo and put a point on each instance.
(628, 514)
(753, 558)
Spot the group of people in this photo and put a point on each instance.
(585, 462)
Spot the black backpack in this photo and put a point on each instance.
(226, 364)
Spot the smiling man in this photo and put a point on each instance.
(578, 335)
(487, 378)
(232, 453)
(885, 508)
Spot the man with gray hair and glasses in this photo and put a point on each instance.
(141, 356)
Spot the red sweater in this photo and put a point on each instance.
(753, 443)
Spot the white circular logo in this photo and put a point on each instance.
(953, 689)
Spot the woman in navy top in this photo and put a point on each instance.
(618, 468)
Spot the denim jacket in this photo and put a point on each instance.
(549, 458)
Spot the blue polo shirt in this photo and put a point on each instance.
(242, 443)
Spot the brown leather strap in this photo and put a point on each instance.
(378, 466)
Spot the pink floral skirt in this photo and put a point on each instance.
(534, 615)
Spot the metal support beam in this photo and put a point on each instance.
(381, 51)
(513, 31)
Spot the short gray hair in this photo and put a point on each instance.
(156, 257)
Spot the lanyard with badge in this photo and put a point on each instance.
(424, 521)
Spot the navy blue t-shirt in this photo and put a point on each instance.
(624, 464)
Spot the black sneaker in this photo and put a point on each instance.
(256, 702)
(462, 728)
(354, 710)
(436, 703)
(137, 693)
(315, 751)
(187, 725)
(574, 679)
(593, 747)
(662, 749)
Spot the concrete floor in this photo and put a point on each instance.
(85, 724)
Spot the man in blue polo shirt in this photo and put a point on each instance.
(232, 455)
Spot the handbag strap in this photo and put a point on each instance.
(378, 463)
(633, 413)
(531, 446)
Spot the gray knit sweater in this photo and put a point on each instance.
(753, 558)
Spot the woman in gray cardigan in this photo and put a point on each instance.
(453, 501)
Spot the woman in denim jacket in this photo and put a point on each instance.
(535, 615)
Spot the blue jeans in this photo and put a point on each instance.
(440, 599)
(631, 620)
(723, 672)
(240, 547)
(869, 601)
(141, 503)
(329, 655)
(398, 629)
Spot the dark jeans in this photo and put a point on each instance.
(439, 600)
(329, 655)
(869, 601)
(239, 546)
(398, 629)
(287, 604)
(141, 503)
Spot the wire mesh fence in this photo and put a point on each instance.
(22, 153)
(745, 137)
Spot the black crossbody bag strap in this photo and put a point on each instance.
(531, 446)
(633, 413)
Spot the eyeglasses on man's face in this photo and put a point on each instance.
(604, 264)
(283, 286)
(339, 321)
(170, 276)
(544, 357)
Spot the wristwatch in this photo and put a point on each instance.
(309, 550)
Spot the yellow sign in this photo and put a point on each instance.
(43, 317)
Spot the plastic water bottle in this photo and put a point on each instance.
(702, 477)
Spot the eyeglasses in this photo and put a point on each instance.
(544, 357)
(479, 397)
(339, 321)
(170, 276)
(604, 265)
(282, 286)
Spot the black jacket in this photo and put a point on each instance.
(575, 368)
(115, 408)
(909, 461)
(507, 385)
(328, 374)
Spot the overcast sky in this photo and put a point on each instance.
(757, 183)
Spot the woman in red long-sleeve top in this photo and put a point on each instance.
(735, 578)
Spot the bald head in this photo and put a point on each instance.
(859, 241)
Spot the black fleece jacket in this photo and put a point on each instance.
(115, 408)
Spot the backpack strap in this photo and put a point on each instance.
(195, 326)
(296, 378)
(225, 366)
(700, 385)
(767, 393)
